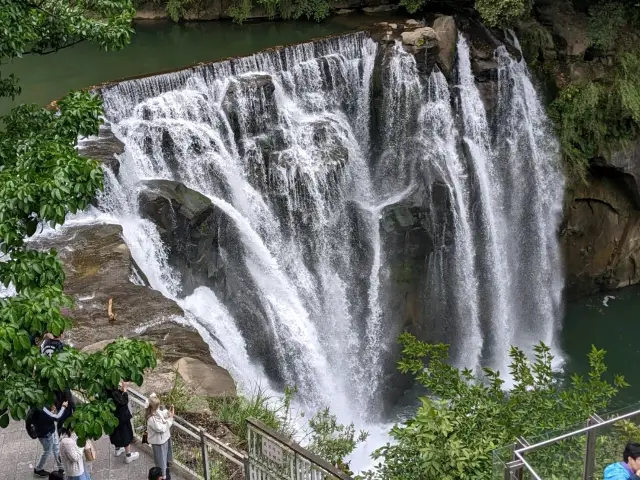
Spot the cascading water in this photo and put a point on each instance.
(281, 144)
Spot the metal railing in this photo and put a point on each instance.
(586, 448)
(195, 451)
(273, 456)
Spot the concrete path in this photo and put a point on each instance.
(19, 453)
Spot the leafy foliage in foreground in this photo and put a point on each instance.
(332, 440)
(42, 178)
(454, 432)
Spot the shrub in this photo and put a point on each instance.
(605, 21)
(455, 431)
(332, 440)
(598, 117)
(502, 13)
(275, 412)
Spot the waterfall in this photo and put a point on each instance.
(289, 147)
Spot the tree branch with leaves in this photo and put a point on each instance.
(466, 417)
(42, 179)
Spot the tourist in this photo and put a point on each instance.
(72, 456)
(629, 469)
(45, 421)
(155, 473)
(122, 436)
(159, 423)
(52, 344)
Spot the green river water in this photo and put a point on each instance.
(160, 46)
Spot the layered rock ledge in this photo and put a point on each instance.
(99, 266)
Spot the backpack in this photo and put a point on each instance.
(56, 476)
(31, 423)
(51, 346)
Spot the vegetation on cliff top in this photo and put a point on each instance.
(240, 10)
(591, 54)
(42, 178)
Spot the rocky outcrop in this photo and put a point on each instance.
(104, 147)
(601, 232)
(191, 228)
(600, 236)
(447, 34)
(202, 243)
(625, 163)
(204, 379)
(98, 266)
(569, 26)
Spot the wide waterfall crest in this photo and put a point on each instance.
(307, 154)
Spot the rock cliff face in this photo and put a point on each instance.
(194, 230)
(601, 232)
(98, 266)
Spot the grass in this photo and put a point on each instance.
(275, 412)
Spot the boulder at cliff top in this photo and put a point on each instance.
(447, 33)
(423, 36)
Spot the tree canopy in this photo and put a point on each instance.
(42, 178)
(465, 418)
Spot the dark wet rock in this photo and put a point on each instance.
(600, 235)
(626, 163)
(257, 92)
(104, 147)
(205, 246)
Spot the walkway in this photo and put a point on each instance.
(19, 453)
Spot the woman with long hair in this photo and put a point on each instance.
(122, 436)
(72, 456)
(159, 422)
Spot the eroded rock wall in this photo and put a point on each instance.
(98, 266)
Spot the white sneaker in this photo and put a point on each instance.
(132, 457)
(119, 451)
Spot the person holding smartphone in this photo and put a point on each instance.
(122, 436)
(159, 422)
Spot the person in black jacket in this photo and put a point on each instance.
(53, 344)
(45, 421)
(122, 436)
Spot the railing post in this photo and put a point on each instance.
(205, 455)
(247, 469)
(590, 450)
(514, 470)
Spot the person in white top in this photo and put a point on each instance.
(72, 456)
(159, 422)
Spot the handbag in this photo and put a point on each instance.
(89, 452)
(145, 437)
